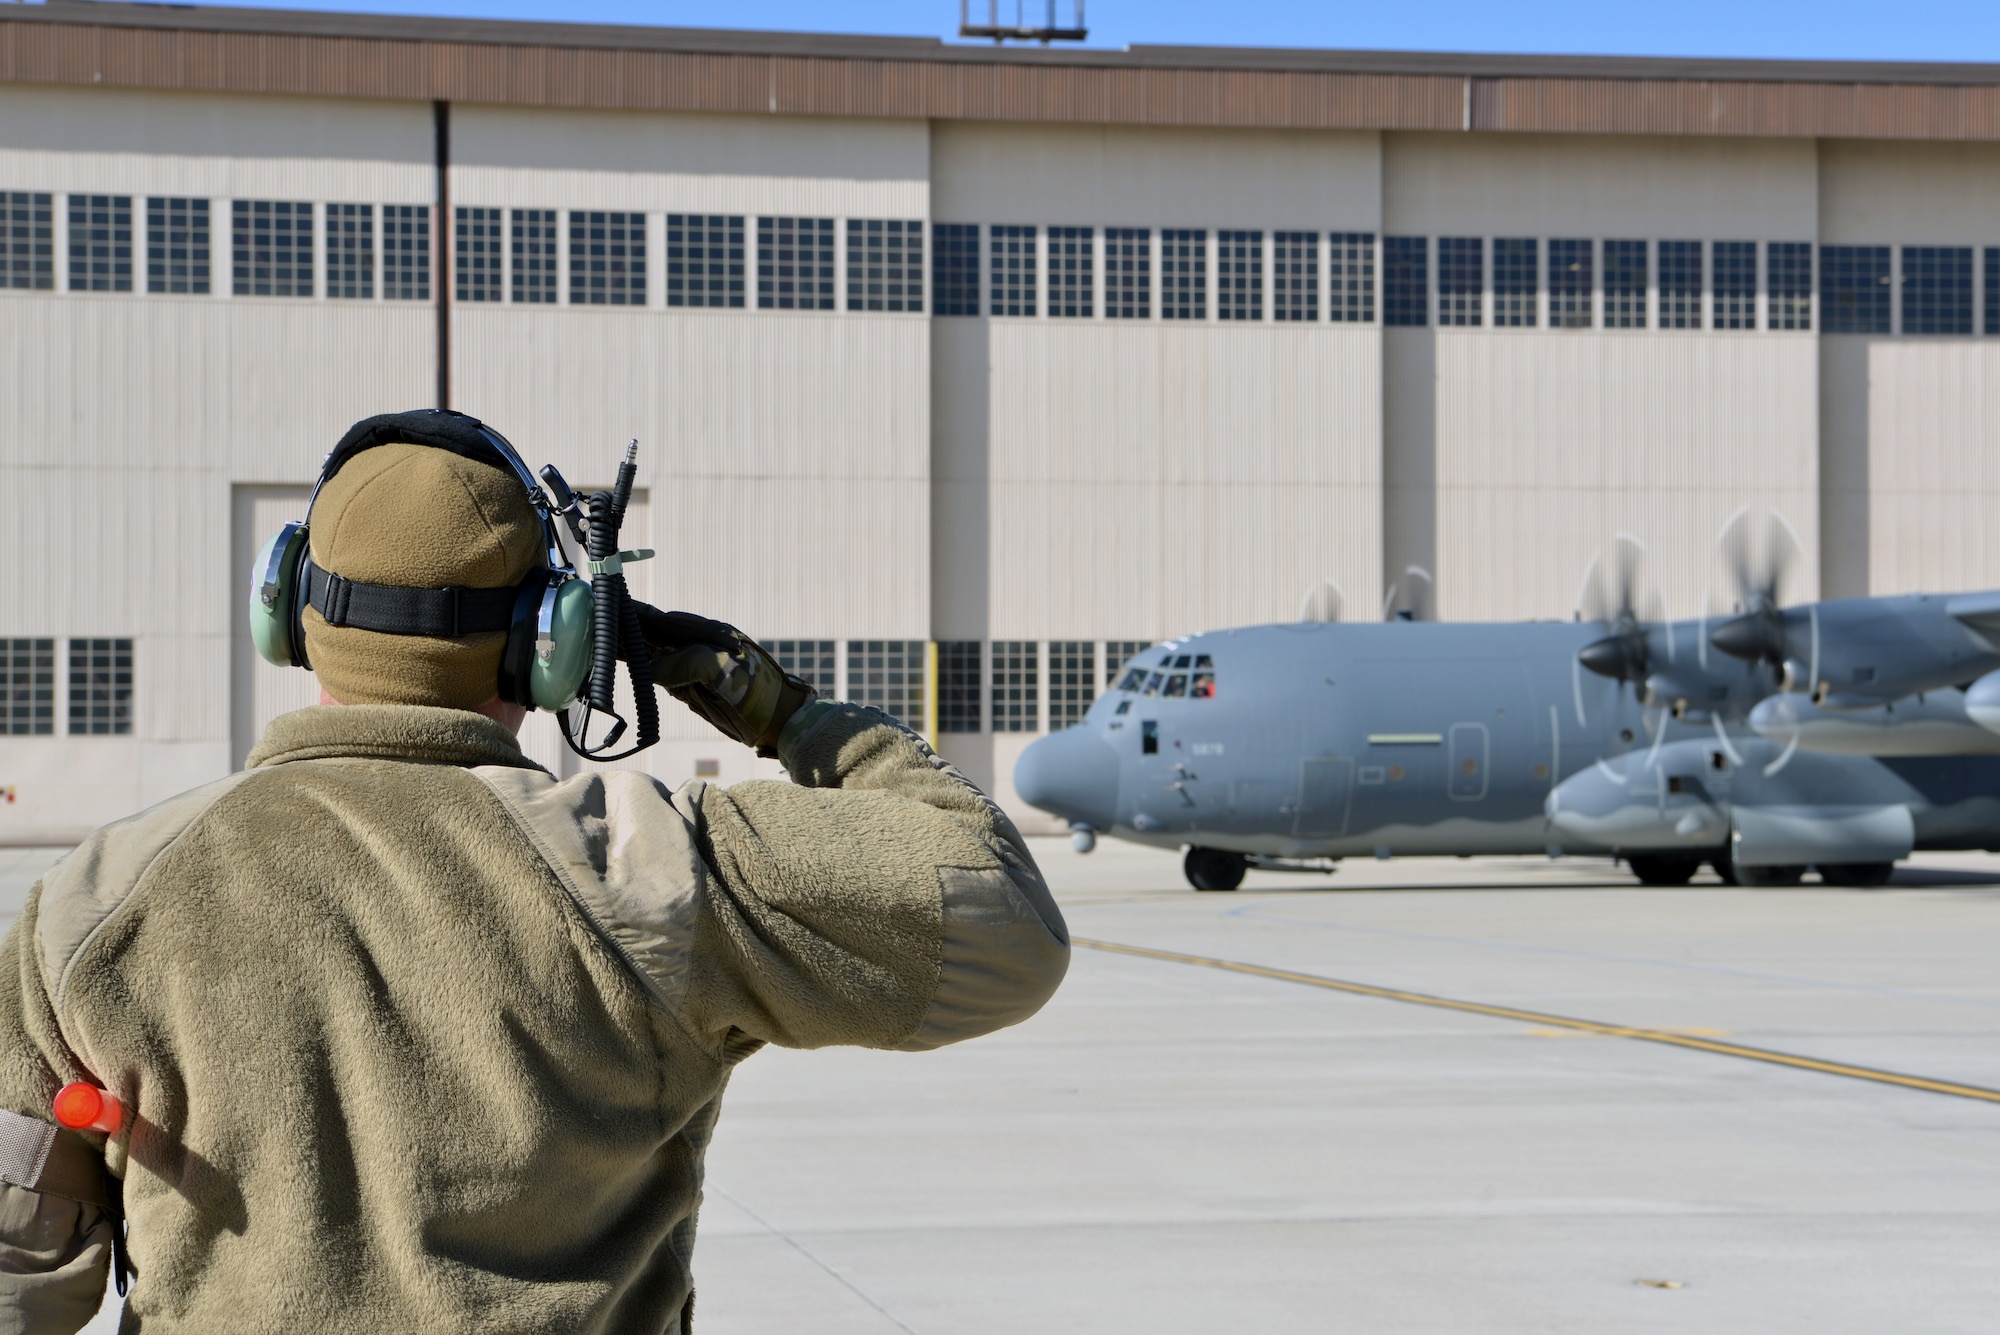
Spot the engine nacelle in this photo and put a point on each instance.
(1934, 724)
(1982, 702)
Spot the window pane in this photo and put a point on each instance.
(1183, 274)
(1624, 284)
(889, 675)
(537, 247)
(1128, 273)
(885, 265)
(795, 263)
(27, 240)
(1072, 681)
(271, 249)
(1570, 283)
(811, 661)
(406, 252)
(1517, 281)
(958, 685)
(27, 687)
(1350, 284)
(1119, 652)
(100, 687)
(177, 245)
(1017, 692)
(1239, 275)
(1993, 289)
(607, 259)
(1735, 285)
(1011, 251)
(1461, 279)
(1680, 285)
(704, 260)
(1788, 267)
(1937, 289)
(1072, 272)
(100, 243)
(477, 249)
(1854, 289)
(1406, 281)
(1295, 276)
(955, 279)
(350, 251)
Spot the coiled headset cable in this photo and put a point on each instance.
(615, 631)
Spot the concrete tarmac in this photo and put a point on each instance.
(1172, 1148)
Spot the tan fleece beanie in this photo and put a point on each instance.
(416, 517)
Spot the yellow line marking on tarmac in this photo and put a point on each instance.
(1669, 1037)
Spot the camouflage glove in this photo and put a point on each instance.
(723, 675)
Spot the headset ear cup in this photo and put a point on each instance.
(276, 600)
(518, 656)
(562, 645)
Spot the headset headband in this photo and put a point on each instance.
(458, 433)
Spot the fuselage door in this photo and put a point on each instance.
(1326, 785)
(1465, 779)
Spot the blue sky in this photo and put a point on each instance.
(1835, 30)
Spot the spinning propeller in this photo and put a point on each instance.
(1757, 633)
(1625, 652)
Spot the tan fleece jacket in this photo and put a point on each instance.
(418, 1038)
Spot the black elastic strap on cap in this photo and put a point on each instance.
(441, 614)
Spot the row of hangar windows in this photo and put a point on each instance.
(981, 685)
(89, 682)
(296, 248)
(359, 251)
(992, 685)
(1471, 281)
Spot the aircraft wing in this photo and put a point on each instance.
(1979, 611)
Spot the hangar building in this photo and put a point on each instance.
(961, 372)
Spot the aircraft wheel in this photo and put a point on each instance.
(1770, 875)
(1731, 874)
(1213, 868)
(1857, 873)
(1655, 869)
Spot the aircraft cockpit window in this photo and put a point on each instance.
(1203, 661)
(1153, 683)
(1176, 686)
(1185, 660)
(1133, 680)
(1203, 687)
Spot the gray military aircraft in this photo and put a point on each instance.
(1288, 746)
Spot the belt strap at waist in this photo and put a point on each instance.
(41, 1156)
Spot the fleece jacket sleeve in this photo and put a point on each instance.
(879, 899)
(55, 1253)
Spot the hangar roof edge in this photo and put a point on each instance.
(117, 44)
(747, 42)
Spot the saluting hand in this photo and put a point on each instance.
(723, 675)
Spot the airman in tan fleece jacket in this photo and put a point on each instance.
(414, 1036)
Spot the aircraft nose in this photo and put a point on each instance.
(1072, 774)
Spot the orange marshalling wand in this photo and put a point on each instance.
(85, 1107)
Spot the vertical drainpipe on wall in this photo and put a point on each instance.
(441, 126)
